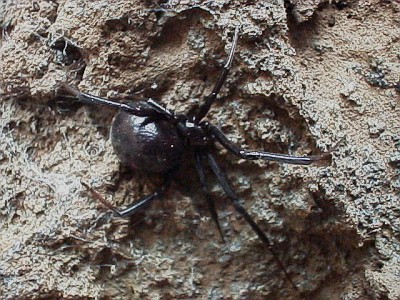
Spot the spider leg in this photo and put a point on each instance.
(226, 186)
(150, 108)
(136, 205)
(206, 191)
(252, 155)
(203, 110)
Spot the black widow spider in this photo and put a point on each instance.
(147, 136)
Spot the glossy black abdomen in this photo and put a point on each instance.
(141, 143)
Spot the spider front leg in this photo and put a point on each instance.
(148, 108)
(203, 110)
(135, 206)
(226, 186)
(252, 155)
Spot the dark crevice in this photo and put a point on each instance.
(66, 53)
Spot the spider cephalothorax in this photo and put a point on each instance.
(147, 136)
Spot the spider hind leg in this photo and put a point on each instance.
(136, 205)
(206, 191)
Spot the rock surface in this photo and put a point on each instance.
(298, 85)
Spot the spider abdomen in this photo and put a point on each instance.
(145, 144)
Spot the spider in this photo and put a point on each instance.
(147, 136)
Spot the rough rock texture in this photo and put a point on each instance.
(294, 88)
